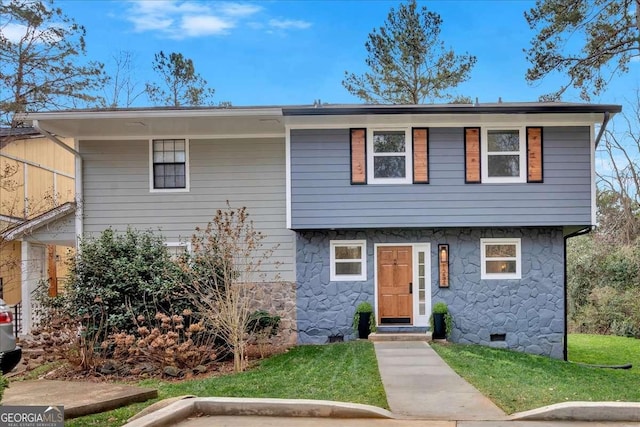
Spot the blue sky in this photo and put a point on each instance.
(293, 52)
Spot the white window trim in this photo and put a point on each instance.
(186, 245)
(408, 153)
(187, 182)
(363, 260)
(500, 241)
(485, 156)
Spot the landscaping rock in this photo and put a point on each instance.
(172, 371)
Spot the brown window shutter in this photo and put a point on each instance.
(420, 155)
(472, 155)
(358, 156)
(534, 155)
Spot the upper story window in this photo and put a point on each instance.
(389, 156)
(503, 158)
(170, 164)
(500, 258)
(348, 260)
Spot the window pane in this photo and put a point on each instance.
(421, 309)
(500, 251)
(421, 269)
(180, 181)
(504, 166)
(348, 252)
(179, 146)
(388, 142)
(501, 266)
(421, 257)
(349, 268)
(389, 167)
(157, 145)
(158, 157)
(180, 157)
(421, 283)
(503, 140)
(169, 157)
(168, 145)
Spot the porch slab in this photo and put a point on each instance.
(400, 336)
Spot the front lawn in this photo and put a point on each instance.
(605, 350)
(518, 382)
(344, 372)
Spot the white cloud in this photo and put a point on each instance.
(289, 24)
(178, 19)
(237, 9)
(14, 32)
(196, 26)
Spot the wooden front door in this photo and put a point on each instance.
(395, 276)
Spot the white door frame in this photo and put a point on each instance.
(425, 247)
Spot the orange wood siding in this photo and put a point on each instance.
(472, 155)
(534, 155)
(358, 156)
(420, 156)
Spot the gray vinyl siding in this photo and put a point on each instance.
(60, 232)
(322, 196)
(245, 172)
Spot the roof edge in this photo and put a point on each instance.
(452, 109)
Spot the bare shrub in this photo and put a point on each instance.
(226, 256)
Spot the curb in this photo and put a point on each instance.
(582, 411)
(224, 406)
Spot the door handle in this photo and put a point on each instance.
(410, 287)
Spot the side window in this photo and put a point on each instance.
(176, 249)
(500, 258)
(348, 260)
(169, 164)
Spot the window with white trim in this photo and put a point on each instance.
(348, 260)
(503, 155)
(389, 156)
(169, 168)
(500, 258)
(177, 249)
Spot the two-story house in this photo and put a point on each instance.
(397, 205)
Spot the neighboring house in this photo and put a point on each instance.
(36, 177)
(397, 205)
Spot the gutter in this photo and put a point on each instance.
(77, 178)
(583, 231)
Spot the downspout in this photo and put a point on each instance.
(603, 126)
(77, 179)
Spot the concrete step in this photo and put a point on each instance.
(400, 336)
(401, 329)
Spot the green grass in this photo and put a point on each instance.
(518, 382)
(345, 372)
(605, 350)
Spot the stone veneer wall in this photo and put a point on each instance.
(530, 311)
(278, 298)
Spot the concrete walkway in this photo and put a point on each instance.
(420, 385)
